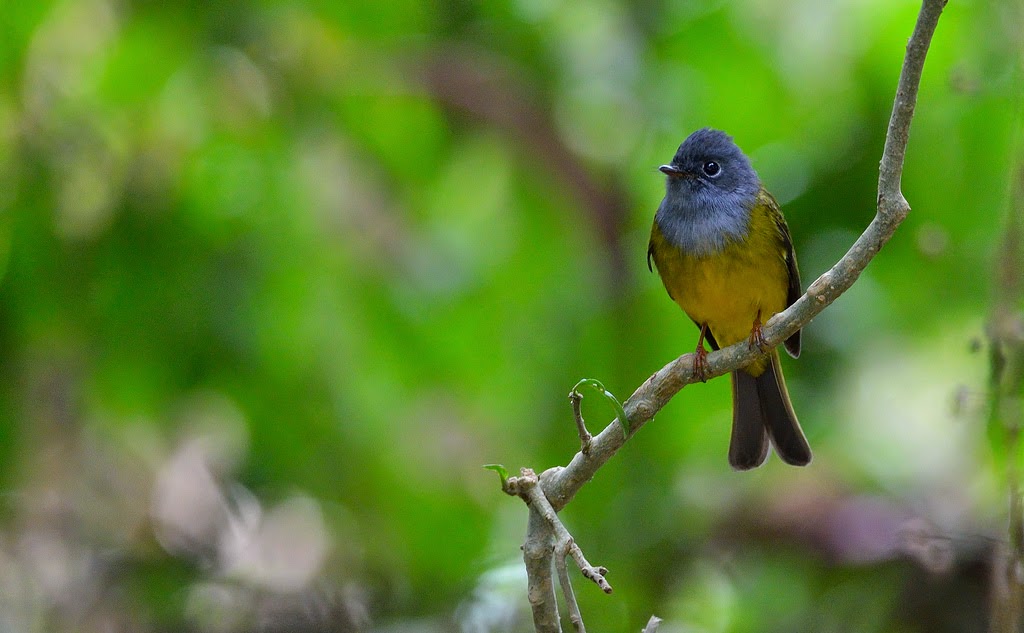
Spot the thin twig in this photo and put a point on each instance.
(576, 398)
(567, 546)
(570, 595)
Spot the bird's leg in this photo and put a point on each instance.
(700, 356)
(756, 335)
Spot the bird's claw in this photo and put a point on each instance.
(700, 363)
(757, 336)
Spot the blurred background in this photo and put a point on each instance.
(276, 280)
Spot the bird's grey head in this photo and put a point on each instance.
(708, 162)
(709, 192)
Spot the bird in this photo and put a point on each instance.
(724, 252)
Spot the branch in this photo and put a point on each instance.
(556, 487)
(891, 210)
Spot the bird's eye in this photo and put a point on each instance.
(711, 169)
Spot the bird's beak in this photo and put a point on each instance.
(674, 172)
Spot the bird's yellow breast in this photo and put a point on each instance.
(726, 289)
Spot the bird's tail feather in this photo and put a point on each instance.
(761, 411)
(748, 447)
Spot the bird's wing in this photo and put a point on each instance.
(793, 292)
(652, 255)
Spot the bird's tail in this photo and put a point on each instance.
(761, 411)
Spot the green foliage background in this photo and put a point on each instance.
(369, 246)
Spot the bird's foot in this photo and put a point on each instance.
(700, 363)
(757, 334)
